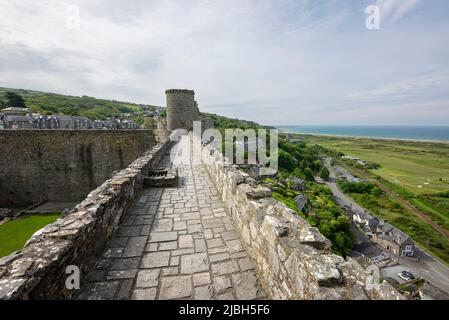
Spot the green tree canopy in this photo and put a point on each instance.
(14, 100)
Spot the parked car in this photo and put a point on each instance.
(407, 276)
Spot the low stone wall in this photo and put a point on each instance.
(292, 258)
(39, 270)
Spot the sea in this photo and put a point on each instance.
(428, 133)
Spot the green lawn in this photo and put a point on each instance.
(415, 166)
(15, 233)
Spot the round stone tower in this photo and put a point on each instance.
(182, 109)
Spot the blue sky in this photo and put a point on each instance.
(275, 62)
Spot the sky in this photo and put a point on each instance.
(292, 62)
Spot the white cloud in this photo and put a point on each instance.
(406, 87)
(393, 10)
(290, 61)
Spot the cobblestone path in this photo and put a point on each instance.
(177, 243)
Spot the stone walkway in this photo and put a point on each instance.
(177, 243)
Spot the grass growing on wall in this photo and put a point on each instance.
(15, 233)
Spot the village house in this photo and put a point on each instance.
(394, 240)
(11, 121)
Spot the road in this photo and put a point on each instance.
(423, 264)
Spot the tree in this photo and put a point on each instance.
(286, 161)
(14, 100)
(324, 174)
(308, 174)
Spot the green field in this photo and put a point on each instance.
(416, 166)
(15, 233)
(415, 172)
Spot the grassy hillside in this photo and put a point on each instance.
(51, 103)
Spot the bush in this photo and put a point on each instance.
(324, 173)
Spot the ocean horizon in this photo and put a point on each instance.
(428, 133)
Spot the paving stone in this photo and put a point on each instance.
(230, 235)
(100, 290)
(96, 276)
(214, 243)
(162, 225)
(245, 285)
(174, 261)
(222, 268)
(117, 242)
(129, 231)
(200, 245)
(125, 289)
(201, 279)
(219, 257)
(135, 247)
(171, 245)
(148, 278)
(179, 225)
(190, 215)
(204, 293)
(155, 260)
(208, 234)
(121, 274)
(144, 294)
(194, 263)
(113, 253)
(246, 264)
(217, 250)
(185, 241)
(171, 271)
(152, 247)
(176, 287)
(163, 236)
(234, 245)
(181, 252)
(194, 228)
(125, 264)
(221, 284)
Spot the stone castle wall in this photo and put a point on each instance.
(39, 270)
(292, 258)
(63, 165)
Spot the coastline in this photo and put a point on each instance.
(283, 131)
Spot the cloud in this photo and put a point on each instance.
(412, 86)
(290, 61)
(393, 10)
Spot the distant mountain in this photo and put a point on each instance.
(52, 103)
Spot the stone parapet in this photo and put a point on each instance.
(293, 259)
(39, 270)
